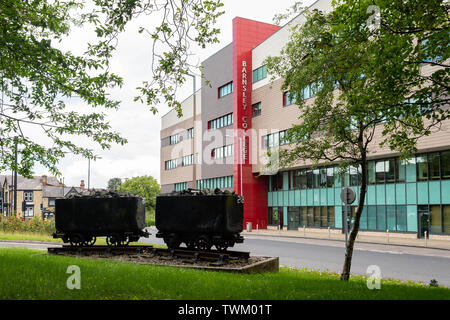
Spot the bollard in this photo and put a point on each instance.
(426, 239)
(304, 231)
(328, 233)
(387, 231)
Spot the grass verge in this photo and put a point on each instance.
(47, 238)
(32, 274)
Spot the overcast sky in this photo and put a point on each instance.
(134, 120)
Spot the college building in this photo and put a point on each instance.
(228, 125)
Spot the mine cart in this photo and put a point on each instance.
(121, 219)
(199, 219)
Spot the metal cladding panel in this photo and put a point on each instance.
(199, 214)
(246, 35)
(99, 215)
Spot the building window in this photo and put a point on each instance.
(256, 109)
(274, 139)
(171, 164)
(187, 160)
(226, 89)
(51, 202)
(221, 122)
(445, 165)
(212, 183)
(259, 74)
(222, 152)
(288, 98)
(436, 224)
(181, 186)
(433, 162)
(422, 168)
(28, 196)
(29, 212)
(175, 139)
(190, 133)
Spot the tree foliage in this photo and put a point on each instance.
(38, 79)
(114, 183)
(368, 81)
(145, 186)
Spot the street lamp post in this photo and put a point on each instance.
(89, 171)
(194, 165)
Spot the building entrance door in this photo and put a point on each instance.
(424, 224)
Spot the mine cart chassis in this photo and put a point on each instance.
(201, 241)
(112, 239)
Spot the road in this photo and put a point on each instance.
(397, 262)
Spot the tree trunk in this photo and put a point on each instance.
(354, 232)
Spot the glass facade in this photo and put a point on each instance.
(398, 192)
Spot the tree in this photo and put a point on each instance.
(38, 79)
(114, 183)
(367, 82)
(146, 187)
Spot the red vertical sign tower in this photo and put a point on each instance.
(246, 35)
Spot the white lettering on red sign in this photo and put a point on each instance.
(244, 106)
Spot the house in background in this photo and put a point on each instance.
(35, 197)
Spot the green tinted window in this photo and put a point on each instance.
(401, 170)
(381, 218)
(412, 218)
(401, 218)
(372, 217)
(390, 215)
(411, 170)
(259, 74)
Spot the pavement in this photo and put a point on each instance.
(363, 237)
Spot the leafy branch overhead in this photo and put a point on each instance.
(40, 82)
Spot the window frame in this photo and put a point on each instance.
(222, 92)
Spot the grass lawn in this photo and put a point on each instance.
(47, 238)
(32, 274)
(27, 236)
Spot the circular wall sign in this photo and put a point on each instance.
(348, 195)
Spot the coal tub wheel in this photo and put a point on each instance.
(125, 241)
(76, 239)
(221, 245)
(190, 244)
(203, 242)
(90, 242)
(173, 241)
